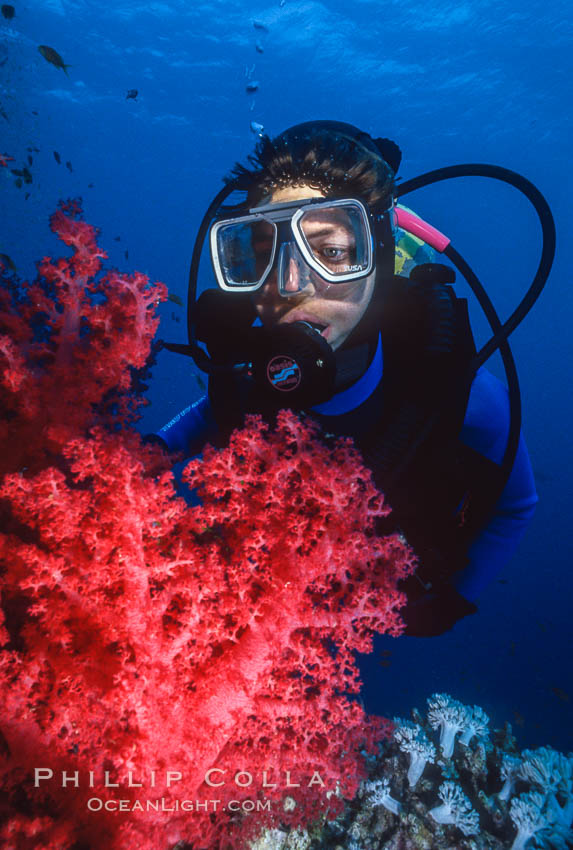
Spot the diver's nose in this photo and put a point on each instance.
(293, 274)
(293, 281)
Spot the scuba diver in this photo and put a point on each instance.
(330, 301)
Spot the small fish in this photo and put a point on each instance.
(33, 149)
(519, 718)
(258, 25)
(57, 157)
(30, 159)
(252, 86)
(8, 262)
(561, 694)
(69, 166)
(132, 94)
(257, 128)
(5, 159)
(53, 57)
(126, 254)
(90, 185)
(176, 299)
(34, 112)
(4, 114)
(24, 173)
(26, 196)
(8, 11)
(259, 47)
(385, 658)
(117, 238)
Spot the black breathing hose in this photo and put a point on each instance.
(501, 331)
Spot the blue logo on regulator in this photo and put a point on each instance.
(284, 373)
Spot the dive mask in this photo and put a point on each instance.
(316, 241)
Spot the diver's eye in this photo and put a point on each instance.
(336, 258)
(331, 253)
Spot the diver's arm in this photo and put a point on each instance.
(485, 429)
(189, 430)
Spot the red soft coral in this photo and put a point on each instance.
(145, 636)
(68, 342)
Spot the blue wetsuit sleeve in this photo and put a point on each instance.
(485, 429)
(189, 430)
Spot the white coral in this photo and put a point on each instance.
(526, 811)
(510, 766)
(456, 809)
(412, 739)
(269, 839)
(552, 773)
(450, 716)
(378, 793)
(477, 723)
(541, 767)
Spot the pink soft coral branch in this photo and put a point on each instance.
(91, 331)
(158, 636)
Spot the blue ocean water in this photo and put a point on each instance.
(451, 82)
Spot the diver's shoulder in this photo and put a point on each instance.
(486, 420)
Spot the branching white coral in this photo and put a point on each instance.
(278, 839)
(477, 724)
(378, 793)
(412, 739)
(526, 811)
(450, 716)
(510, 766)
(269, 839)
(552, 773)
(456, 809)
(542, 768)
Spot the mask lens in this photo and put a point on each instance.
(337, 238)
(245, 250)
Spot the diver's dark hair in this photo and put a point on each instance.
(333, 161)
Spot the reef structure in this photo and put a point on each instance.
(446, 782)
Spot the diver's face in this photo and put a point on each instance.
(336, 308)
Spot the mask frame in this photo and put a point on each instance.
(286, 221)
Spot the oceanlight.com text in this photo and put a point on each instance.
(96, 804)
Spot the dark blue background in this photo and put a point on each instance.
(451, 82)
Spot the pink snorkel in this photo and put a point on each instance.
(414, 225)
